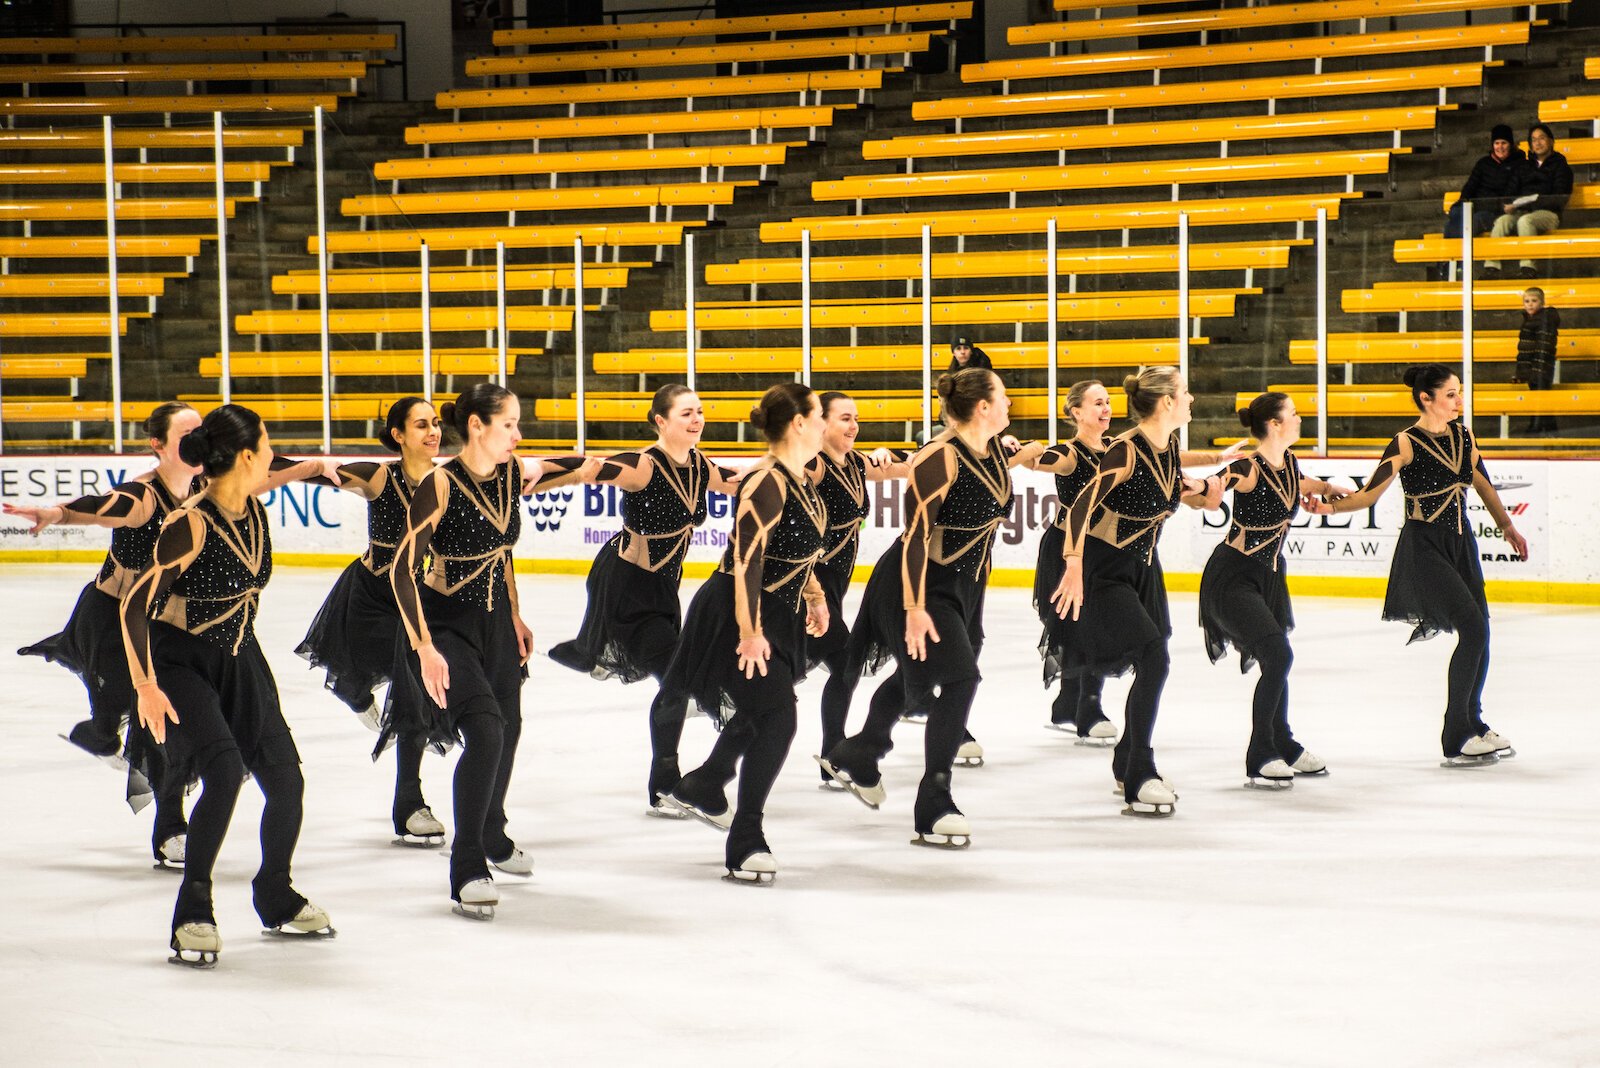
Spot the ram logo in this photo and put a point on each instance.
(547, 510)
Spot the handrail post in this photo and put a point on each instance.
(223, 318)
(1322, 332)
(689, 333)
(927, 332)
(577, 337)
(424, 261)
(1183, 313)
(805, 307)
(500, 311)
(111, 289)
(1052, 372)
(322, 289)
(1466, 316)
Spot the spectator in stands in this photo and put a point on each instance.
(1486, 190)
(1536, 351)
(963, 354)
(1544, 182)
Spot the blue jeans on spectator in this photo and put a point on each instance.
(1483, 218)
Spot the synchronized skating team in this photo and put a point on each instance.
(180, 691)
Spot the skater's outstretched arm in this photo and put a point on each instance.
(628, 471)
(884, 464)
(422, 519)
(1396, 456)
(554, 472)
(177, 547)
(725, 479)
(128, 505)
(760, 508)
(1189, 458)
(284, 471)
(364, 478)
(1491, 500)
(933, 472)
(1058, 460)
(1026, 454)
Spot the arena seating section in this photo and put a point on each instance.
(629, 135)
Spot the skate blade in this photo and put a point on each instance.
(1095, 743)
(942, 841)
(420, 841)
(914, 717)
(716, 823)
(201, 959)
(294, 934)
(1505, 754)
(1261, 782)
(663, 811)
(1320, 773)
(481, 913)
(1063, 728)
(832, 786)
(113, 761)
(1487, 760)
(1145, 810)
(750, 878)
(168, 865)
(969, 762)
(843, 779)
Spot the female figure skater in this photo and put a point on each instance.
(631, 624)
(91, 644)
(1244, 595)
(1435, 579)
(1074, 463)
(354, 633)
(744, 643)
(204, 688)
(467, 644)
(923, 604)
(1113, 585)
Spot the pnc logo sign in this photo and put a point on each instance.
(547, 510)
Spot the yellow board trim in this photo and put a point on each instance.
(1364, 587)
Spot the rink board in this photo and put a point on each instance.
(562, 531)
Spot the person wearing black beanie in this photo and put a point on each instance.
(1489, 185)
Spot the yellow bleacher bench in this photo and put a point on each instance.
(308, 363)
(844, 359)
(704, 55)
(66, 324)
(615, 234)
(1488, 346)
(87, 73)
(1397, 42)
(1190, 94)
(579, 198)
(60, 410)
(949, 311)
(593, 162)
(403, 320)
(1240, 18)
(34, 367)
(300, 408)
(1570, 109)
(624, 125)
(1583, 198)
(897, 14)
(133, 208)
(1239, 255)
(873, 406)
(91, 139)
(168, 105)
(1346, 164)
(137, 246)
(1502, 295)
(723, 85)
(448, 280)
(1375, 121)
(1493, 401)
(1559, 244)
(63, 286)
(1232, 211)
(140, 45)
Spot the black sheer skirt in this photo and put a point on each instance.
(632, 619)
(1243, 602)
(1428, 557)
(486, 672)
(353, 635)
(706, 663)
(201, 676)
(1124, 610)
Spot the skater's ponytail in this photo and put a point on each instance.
(1077, 393)
(484, 400)
(779, 407)
(661, 403)
(222, 435)
(960, 393)
(1255, 416)
(394, 427)
(1425, 380)
(159, 421)
(1146, 389)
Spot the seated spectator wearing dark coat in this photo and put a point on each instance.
(1544, 182)
(1536, 350)
(1489, 185)
(963, 354)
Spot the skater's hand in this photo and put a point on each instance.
(1316, 505)
(1213, 494)
(919, 628)
(880, 457)
(435, 673)
(524, 638)
(817, 618)
(47, 516)
(1514, 538)
(1069, 591)
(1232, 450)
(589, 470)
(155, 710)
(754, 654)
(330, 469)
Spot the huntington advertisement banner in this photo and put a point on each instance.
(567, 527)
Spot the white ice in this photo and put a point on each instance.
(1391, 913)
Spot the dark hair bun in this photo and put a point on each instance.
(447, 412)
(194, 448)
(1412, 376)
(945, 386)
(1130, 385)
(1244, 418)
(758, 418)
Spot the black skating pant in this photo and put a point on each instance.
(1133, 760)
(1078, 703)
(408, 749)
(489, 737)
(761, 730)
(1469, 665)
(1270, 736)
(667, 710)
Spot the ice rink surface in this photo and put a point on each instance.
(1391, 913)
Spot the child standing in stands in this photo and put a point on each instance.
(1536, 351)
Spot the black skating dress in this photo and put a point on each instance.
(465, 530)
(1051, 563)
(941, 563)
(1124, 605)
(1436, 547)
(759, 589)
(631, 624)
(1244, 592)
(843, 488)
